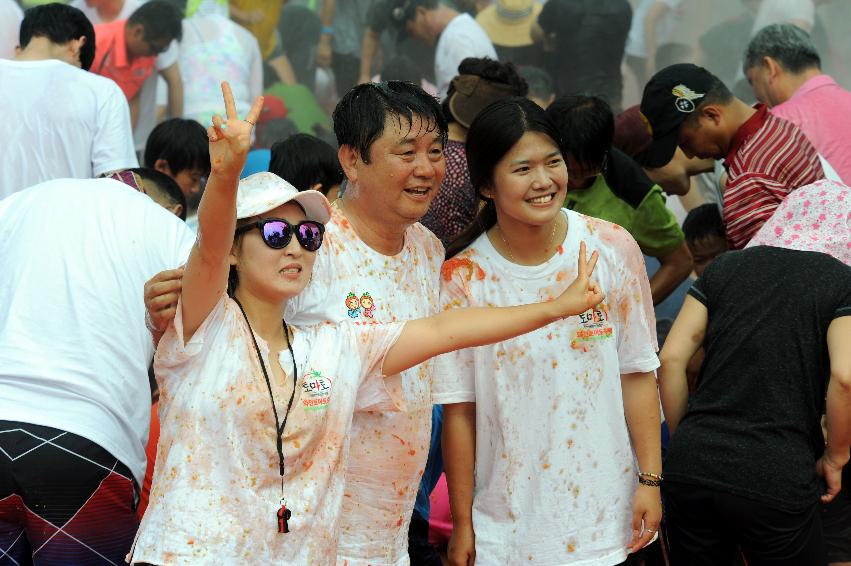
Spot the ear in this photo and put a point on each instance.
(486, 191)
(161, 165)
(233, 254)
(773, 68)
(713, 113)
(349, 158)
(177, 210)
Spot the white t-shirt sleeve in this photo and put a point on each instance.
(112, 145)
(634, 314)
(168, 57)
(454, 377)
(173, 352)
(376, 390)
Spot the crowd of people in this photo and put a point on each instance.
(423, 282)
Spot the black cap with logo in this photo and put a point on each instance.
(671, 95)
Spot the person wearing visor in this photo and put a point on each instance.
(479, 83)
(765, 157)
(255, 413)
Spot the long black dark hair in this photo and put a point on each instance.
(492, 134)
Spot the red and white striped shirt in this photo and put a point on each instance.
(769, 158)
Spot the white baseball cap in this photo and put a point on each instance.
(265, 191)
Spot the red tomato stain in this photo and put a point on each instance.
(451, 265)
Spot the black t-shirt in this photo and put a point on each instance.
(590, 40)
(753, 425)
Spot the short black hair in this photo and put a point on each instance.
(787, 44)
(360, 115)
(586, 125)
(304, 160)
(540, 82)
(403, 11)
(60, 24)
(703, 222)
(182, 143)
(167, 188)
(717, 93)
(160, 19)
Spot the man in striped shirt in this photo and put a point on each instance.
(766, 157)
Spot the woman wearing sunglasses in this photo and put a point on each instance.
(255, 414)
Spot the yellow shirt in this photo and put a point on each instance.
(264, 30)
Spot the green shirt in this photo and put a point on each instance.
(625, 196)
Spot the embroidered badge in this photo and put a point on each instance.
(594, 326)
(353, 305)
(685, 98)
(316, 391)
(367, 304)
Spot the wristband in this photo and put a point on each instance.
(328, 30)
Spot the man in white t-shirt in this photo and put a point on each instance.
(377, 264)
(62, 121)
(75, 401)
(456, 35)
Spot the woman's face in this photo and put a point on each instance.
(530, 181)
(266, 273)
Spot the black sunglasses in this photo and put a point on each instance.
(278, 232)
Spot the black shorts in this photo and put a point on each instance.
(706, 526)
(63, 499)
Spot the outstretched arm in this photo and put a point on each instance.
(455, 329)
(206, 273)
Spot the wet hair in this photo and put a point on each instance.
(493, 133)
(703, 222)
(360, 115)
(540, 82)
(182, 143)
(304, 160)
(492, 71)
(165, 188)
(586, 125)
(787, 44)
(59, 24)
(160, 19)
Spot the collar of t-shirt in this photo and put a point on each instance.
(746, 130)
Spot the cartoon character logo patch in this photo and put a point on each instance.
(355, 306)
(316, 391)
(595, 326)
(685, 98)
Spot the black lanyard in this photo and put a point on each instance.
(283, 514)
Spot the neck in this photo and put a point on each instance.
(108, 11)
(442, 16)
(739, 113)
(526, 244)
(378, 233)
(790, 86)
(265, 317)
(457, 132)
(38, 49)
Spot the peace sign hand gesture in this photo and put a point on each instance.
(230, 140)
(583, 293)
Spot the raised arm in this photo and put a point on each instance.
(455, 329)
(206, 273)
(684, 339)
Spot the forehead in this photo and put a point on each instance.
(399, 130)
(291, 211)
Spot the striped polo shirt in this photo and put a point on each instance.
(768, 159)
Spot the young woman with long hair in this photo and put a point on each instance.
(551, 439)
